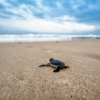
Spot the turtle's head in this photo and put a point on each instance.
(51, 59)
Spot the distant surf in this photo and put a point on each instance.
(43, 37)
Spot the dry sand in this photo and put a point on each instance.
(22, 79)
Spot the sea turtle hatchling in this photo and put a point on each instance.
(56, 64)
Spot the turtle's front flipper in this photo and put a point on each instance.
(57, 69)
(44, 65)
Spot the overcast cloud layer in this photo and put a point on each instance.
(56, 16)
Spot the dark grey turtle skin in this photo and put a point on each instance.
(56, 64)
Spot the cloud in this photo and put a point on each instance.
(4, 3)
(33, 24)
(60, 16)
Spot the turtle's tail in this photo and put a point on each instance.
(66, 66)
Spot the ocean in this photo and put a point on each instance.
(32, 37)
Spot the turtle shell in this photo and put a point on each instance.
(57, 63)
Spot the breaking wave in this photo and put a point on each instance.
(43, 37)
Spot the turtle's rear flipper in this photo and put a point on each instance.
(57, 69)
(41, 65)
(44, 65)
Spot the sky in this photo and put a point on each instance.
(50, 16)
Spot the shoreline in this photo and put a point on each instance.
(48, 41)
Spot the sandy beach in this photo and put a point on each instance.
(22, 79)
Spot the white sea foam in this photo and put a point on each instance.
(43, 37)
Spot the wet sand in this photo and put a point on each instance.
(22, 79)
